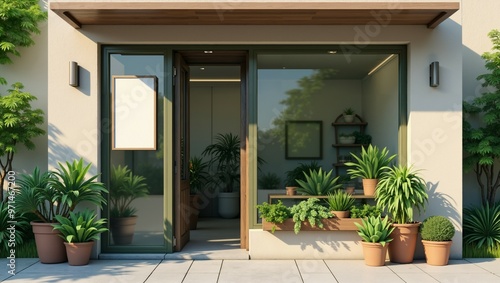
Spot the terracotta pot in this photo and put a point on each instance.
(193, 212)
(49, 245)
(374, 253)
(79, 253)
(341, 214)
(350, 190)
(122, 229)
(290, 191)
(369, 186)
(437, 253)
(404, 241)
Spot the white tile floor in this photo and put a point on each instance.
(261, 271)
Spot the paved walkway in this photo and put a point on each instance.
(261, 271)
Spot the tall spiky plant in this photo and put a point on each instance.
(370, 164)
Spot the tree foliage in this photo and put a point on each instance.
(482, 142)
(18, 21)
(19, 124)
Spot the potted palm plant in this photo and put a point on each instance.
(198, 179)
(53, 193)
(436, 233)
(224, 157)
(340, 203)
(401, 190)
(369, 166)
(375, 233)
(124, 188)
(79, 231)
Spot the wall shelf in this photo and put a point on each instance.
(273, 197)
(359, 124)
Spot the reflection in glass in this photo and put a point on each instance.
(136, 181)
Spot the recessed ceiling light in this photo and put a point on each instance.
(202, 68)
(332, 52)
(208, 52)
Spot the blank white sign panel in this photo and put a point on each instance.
(134, 113)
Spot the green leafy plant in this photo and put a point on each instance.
(225, 156)
(269, 181)
(309, 210)
(364, 139)
(318, 183)
(11, 223)
(366, 211)
(349, 111)
(340, 201)
(198, 174)
(400, 190)
(481, 141)
(275, 213)
(298, 173)
(375, 230)
(370, 164)
(58, 192)
(19, 125)
(80, 226)
(437, 228)
(124, 188)
(482, 226)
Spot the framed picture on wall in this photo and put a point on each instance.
(133, 112)
(304, 139)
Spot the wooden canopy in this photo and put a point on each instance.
(79, 14)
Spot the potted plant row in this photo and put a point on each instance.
(56, 193)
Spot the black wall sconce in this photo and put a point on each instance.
(74, 77)
(434, 74)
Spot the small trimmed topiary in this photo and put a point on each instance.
(437, 228)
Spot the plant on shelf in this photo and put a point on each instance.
(311, 211)
(125, 187)
(340, 203)
(274, 213)
(298, 174)
(79, 231)
(56, 193)
(318, 183)
(347, 138)
(366, 211)
(269, 181)
(436, 233)
(376, 235)
(369, 166)
(348, 114)
(401, 190)
(361, 138)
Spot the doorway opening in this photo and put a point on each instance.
(216, 89)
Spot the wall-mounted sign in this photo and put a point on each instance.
(133, 112)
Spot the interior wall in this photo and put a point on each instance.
(380, 106)
(214, 109)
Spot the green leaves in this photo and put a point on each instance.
(370, 164)
(125, 187)
(80, 226)
(311, 211)
(318, 183)
(400, 190)
(482, 225)
(340, 201)
(275, 213)
(375, 230)
(437, 228)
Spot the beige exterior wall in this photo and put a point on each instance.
(434, 135)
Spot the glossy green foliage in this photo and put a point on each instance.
(375, 230)
(370, 163)
(80, 226)
(318, 183)
(309, 210)
(340, 201)
(298, 173)
(482, 226)
(124, 188)
(366, 211)
(400, 190)
(275, 213)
